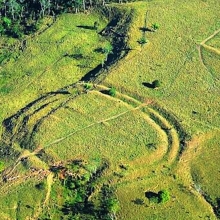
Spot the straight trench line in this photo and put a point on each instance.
(95, 123)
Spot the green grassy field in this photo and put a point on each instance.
(152, 139)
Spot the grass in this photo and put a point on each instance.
(47, 64)
(132, 129)
(204, 174)
(96, 134)
(18, 204)
(172, 58)
(214, 42)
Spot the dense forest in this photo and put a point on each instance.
(18, 17)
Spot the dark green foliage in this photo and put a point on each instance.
(107, 49)
(164, 196)
(6, 22)
(154, 199)
(76, 183)
(112, 92)
(16, 30)
(155, 26)
(40, 186)
(2, 166)
(160, 197)
(2, 29)
(142, 41)
(110, 203)
(156, 84)
(88, 86)
(96, 25)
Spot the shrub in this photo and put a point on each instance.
(107, 49)
(164, 196)
(155, 26)
(112, 92)
(16, 31)
(142, 41)
(40, 186)
(6, 22)
(88, 86)
(156, 83)
(154, 199)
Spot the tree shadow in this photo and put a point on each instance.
(148, 85)
(98, 50)
(138, 201)
(145, 29)
(105, 92)
(77, 56)
(150, 194)
(87, 27)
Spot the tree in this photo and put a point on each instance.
(45, 4)
(156, 84)
(6, 22)
(14, 8)
(164, 196)
(112, 92)
(155, 26)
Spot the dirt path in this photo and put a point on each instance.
(49, 184)
(93, 124)
(210, 37)
(203, 44)
(212, 49)
(47, 197)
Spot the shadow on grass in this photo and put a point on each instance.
(87, 27)
(145, 29)
(148, 85)
(150, 194)
(105, 92)
(138, 201)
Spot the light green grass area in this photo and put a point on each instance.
(99, 127)
(184, 204)
(22, 201)
(215, 42)
(205, 170)
(136, 128)
(171, 56)
(212, 62)
(50, 60)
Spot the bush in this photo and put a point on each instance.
(16, 31)
(112, 92)
(164, 196)
(40, 186)
(154, 199)
(155, 26)
(107, 49)
(6, 22)
(142, 41)
(156, 84)
(88, 86)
